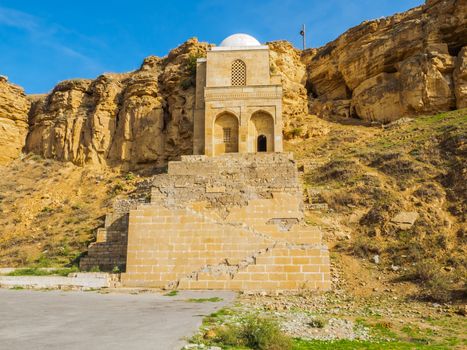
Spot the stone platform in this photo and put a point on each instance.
(229, 222)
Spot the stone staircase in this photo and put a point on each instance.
(228, 222)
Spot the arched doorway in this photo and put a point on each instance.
(262, 144)
(261, 132)
(225, 133)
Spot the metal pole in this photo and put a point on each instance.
(304, 36)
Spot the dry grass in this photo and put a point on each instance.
(49, 210)
(377, 172)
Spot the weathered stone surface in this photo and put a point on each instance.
(460, 79)
(405, 219)
(285, 61)
(14, 107)
(394, 66)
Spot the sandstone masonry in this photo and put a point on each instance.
(233, 221)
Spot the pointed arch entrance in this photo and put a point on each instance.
(225, 134)
(261, 132)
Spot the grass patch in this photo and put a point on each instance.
(172, 293)
(204, 300)
(17, 288)
(356, 344)
(34, 271)
(219, 316)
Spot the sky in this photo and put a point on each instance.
(43, 42)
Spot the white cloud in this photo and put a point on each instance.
(44, 33)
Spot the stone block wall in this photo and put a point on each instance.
(228, 222)
(261, 246)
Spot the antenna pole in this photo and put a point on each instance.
(303, 34)
(304, 37)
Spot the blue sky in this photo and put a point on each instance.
(44, 42)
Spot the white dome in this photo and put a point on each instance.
(239, 39)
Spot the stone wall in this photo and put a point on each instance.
(228, 222)
(261, 246)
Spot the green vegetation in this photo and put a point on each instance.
(253, 332)
(364, 345)
(172, 293)
(129, 176)
(191, 62)
(204, 300)
(17, 288)
(34, 271)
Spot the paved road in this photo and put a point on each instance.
(36, 320)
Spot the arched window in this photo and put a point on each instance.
(238, 73)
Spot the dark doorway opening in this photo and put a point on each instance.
(262, 145)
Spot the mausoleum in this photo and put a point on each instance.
(238, 100)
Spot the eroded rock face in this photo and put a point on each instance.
(460, 79)
(129, 120)
(406, 64)
(285, 61)
(14, 107)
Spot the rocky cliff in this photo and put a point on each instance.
(98, 122)
(407, 64)
(14, 107)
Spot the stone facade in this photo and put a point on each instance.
(224, 222)
(238, 106)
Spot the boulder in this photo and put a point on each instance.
(404, 220)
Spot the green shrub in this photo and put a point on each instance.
(259, 333)
(191, 63)
(129, 176)
(76, 206)
(293, 133)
